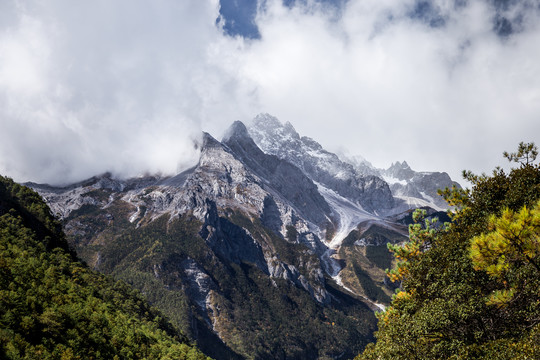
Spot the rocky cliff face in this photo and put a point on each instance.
(416, 189)
(379, 191)
(281, 177)
(326, 168)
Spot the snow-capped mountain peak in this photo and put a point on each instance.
(379, 191)
(324, 167)
(417, 189)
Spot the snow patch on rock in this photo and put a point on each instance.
(348, 213)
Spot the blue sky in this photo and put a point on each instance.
(128, 86)
(239, 16)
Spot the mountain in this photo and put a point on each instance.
(417, 189)
(270, 247)
(378, 191)
(52, 306)
(323, 167)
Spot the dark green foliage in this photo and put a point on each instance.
(442, 216)
(171, 303)
(380, 256)
(53, 307)
(34, 213)
(450, 307)
(371, 290)
(292, 233)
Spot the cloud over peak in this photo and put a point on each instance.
(127, 86)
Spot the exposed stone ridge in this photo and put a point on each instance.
(409, 185)
(324, 167)
(283, 177)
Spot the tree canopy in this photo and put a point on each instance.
(471, 289)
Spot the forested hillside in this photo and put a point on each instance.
(54, 307)
(471, 290)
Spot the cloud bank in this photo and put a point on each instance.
(89, 87)
(127, 86)
(390, 87)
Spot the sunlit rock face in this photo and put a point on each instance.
(417, 189)
(324, 167)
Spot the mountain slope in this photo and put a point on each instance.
(52, 306)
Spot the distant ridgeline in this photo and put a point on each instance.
(54, 307)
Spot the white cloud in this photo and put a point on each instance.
(122, 86)
(446, 98)
(126, 86)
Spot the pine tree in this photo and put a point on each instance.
(471, 290)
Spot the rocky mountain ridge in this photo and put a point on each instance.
(379, 191)
(220, 181)
(417, 189)
(324, 167)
